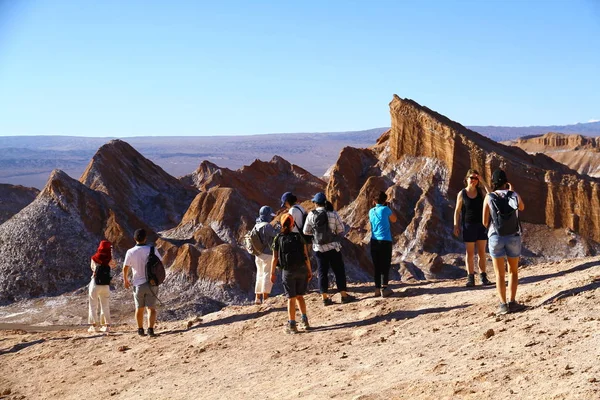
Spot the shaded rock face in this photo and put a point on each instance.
(261, 183)
(138, 185)
(13, 198)
(577, 152)
(45, 249)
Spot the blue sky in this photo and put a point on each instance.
(130, 68)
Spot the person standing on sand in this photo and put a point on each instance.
(381, 217)
(504, 236)
(289, 252)
(99, 289)
(469, 203)
(266, 234)
(144, 295)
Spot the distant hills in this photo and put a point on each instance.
(29, 160)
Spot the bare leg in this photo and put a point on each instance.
(301, 304)
(151, 317)
(265, 296)
(257, 299)
(470, 255)
(500, 278)
(481, 253)
(292, 309)
(139, 317)
(513, 276)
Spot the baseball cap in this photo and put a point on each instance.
(287, 196)
(319, 198)
(499, 177)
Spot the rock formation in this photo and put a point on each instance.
(138, 185)
(577, 152)
(13, 198)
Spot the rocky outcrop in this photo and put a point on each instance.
(13, 198)
(138, 185)
(46, 248)
(577, 152)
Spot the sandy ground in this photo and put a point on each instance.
(431, 340)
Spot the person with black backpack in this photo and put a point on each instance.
(99, 288)
(145, 294)
(290, 254)
(502, 207)
(326, 229)
(265, 233)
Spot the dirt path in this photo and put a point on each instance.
(432, 340)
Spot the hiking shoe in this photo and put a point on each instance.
(141, 332)
(348, 299)
(93, 329)
(304, 323)
(151, 332)
(105, 329)
(513, 306)
(291, 328)
(386, 292)
(377, 292)
(484, 279)
(470, 280)
(327, 302)
(502, 309)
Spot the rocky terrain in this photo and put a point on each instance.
(13, 198)
(430, 340)
(578, 152)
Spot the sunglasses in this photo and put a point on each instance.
(473, 178)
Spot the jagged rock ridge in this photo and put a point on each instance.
(13, 198)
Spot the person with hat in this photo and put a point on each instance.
(99, 288)
(327, 246)
(266, 233)
(288, 200)
(500, 215)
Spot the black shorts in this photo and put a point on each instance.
(473, 232)
(295, 283)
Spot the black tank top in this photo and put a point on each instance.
(472, 208)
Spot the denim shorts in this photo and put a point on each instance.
(509, 246)
(144, 295)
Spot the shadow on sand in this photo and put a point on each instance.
(537, 278)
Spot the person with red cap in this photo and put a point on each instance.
(99, 289)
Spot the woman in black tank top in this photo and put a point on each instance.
(469, 203)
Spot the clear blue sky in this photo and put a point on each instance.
(127, 68)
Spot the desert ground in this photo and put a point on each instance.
(430, 340)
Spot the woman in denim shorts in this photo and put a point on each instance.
(507, 245)
(469, 204)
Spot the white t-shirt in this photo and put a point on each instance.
(136, 258)
(298, 217)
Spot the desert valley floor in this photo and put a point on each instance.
(431, 340)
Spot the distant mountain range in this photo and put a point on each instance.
(28, 160)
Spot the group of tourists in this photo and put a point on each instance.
(490, 217)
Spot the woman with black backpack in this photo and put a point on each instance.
(99, 289)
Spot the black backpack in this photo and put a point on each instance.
(321, 232)
(504, 216)
(102, 275)
(290, 251)
(155, 270)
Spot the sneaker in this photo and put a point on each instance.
(348, 299)
(327, 302)
(387, 292)
(151, 332)
(377, 292)
(304, 323)
(502, 309)
(105, 329)
(513, 306)
(291, 328)
(93, 329)
(484, 279)
(141, 332)
(470, 280)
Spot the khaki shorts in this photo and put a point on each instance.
(145, 295)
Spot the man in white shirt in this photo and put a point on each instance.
(328, 254)
(298, 212)
(144, 294)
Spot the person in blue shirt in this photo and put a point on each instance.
(381, 218)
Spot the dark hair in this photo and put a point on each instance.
(499, 180)
(381, 198)
(328, 206)
(139, 235)
(496, 185)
